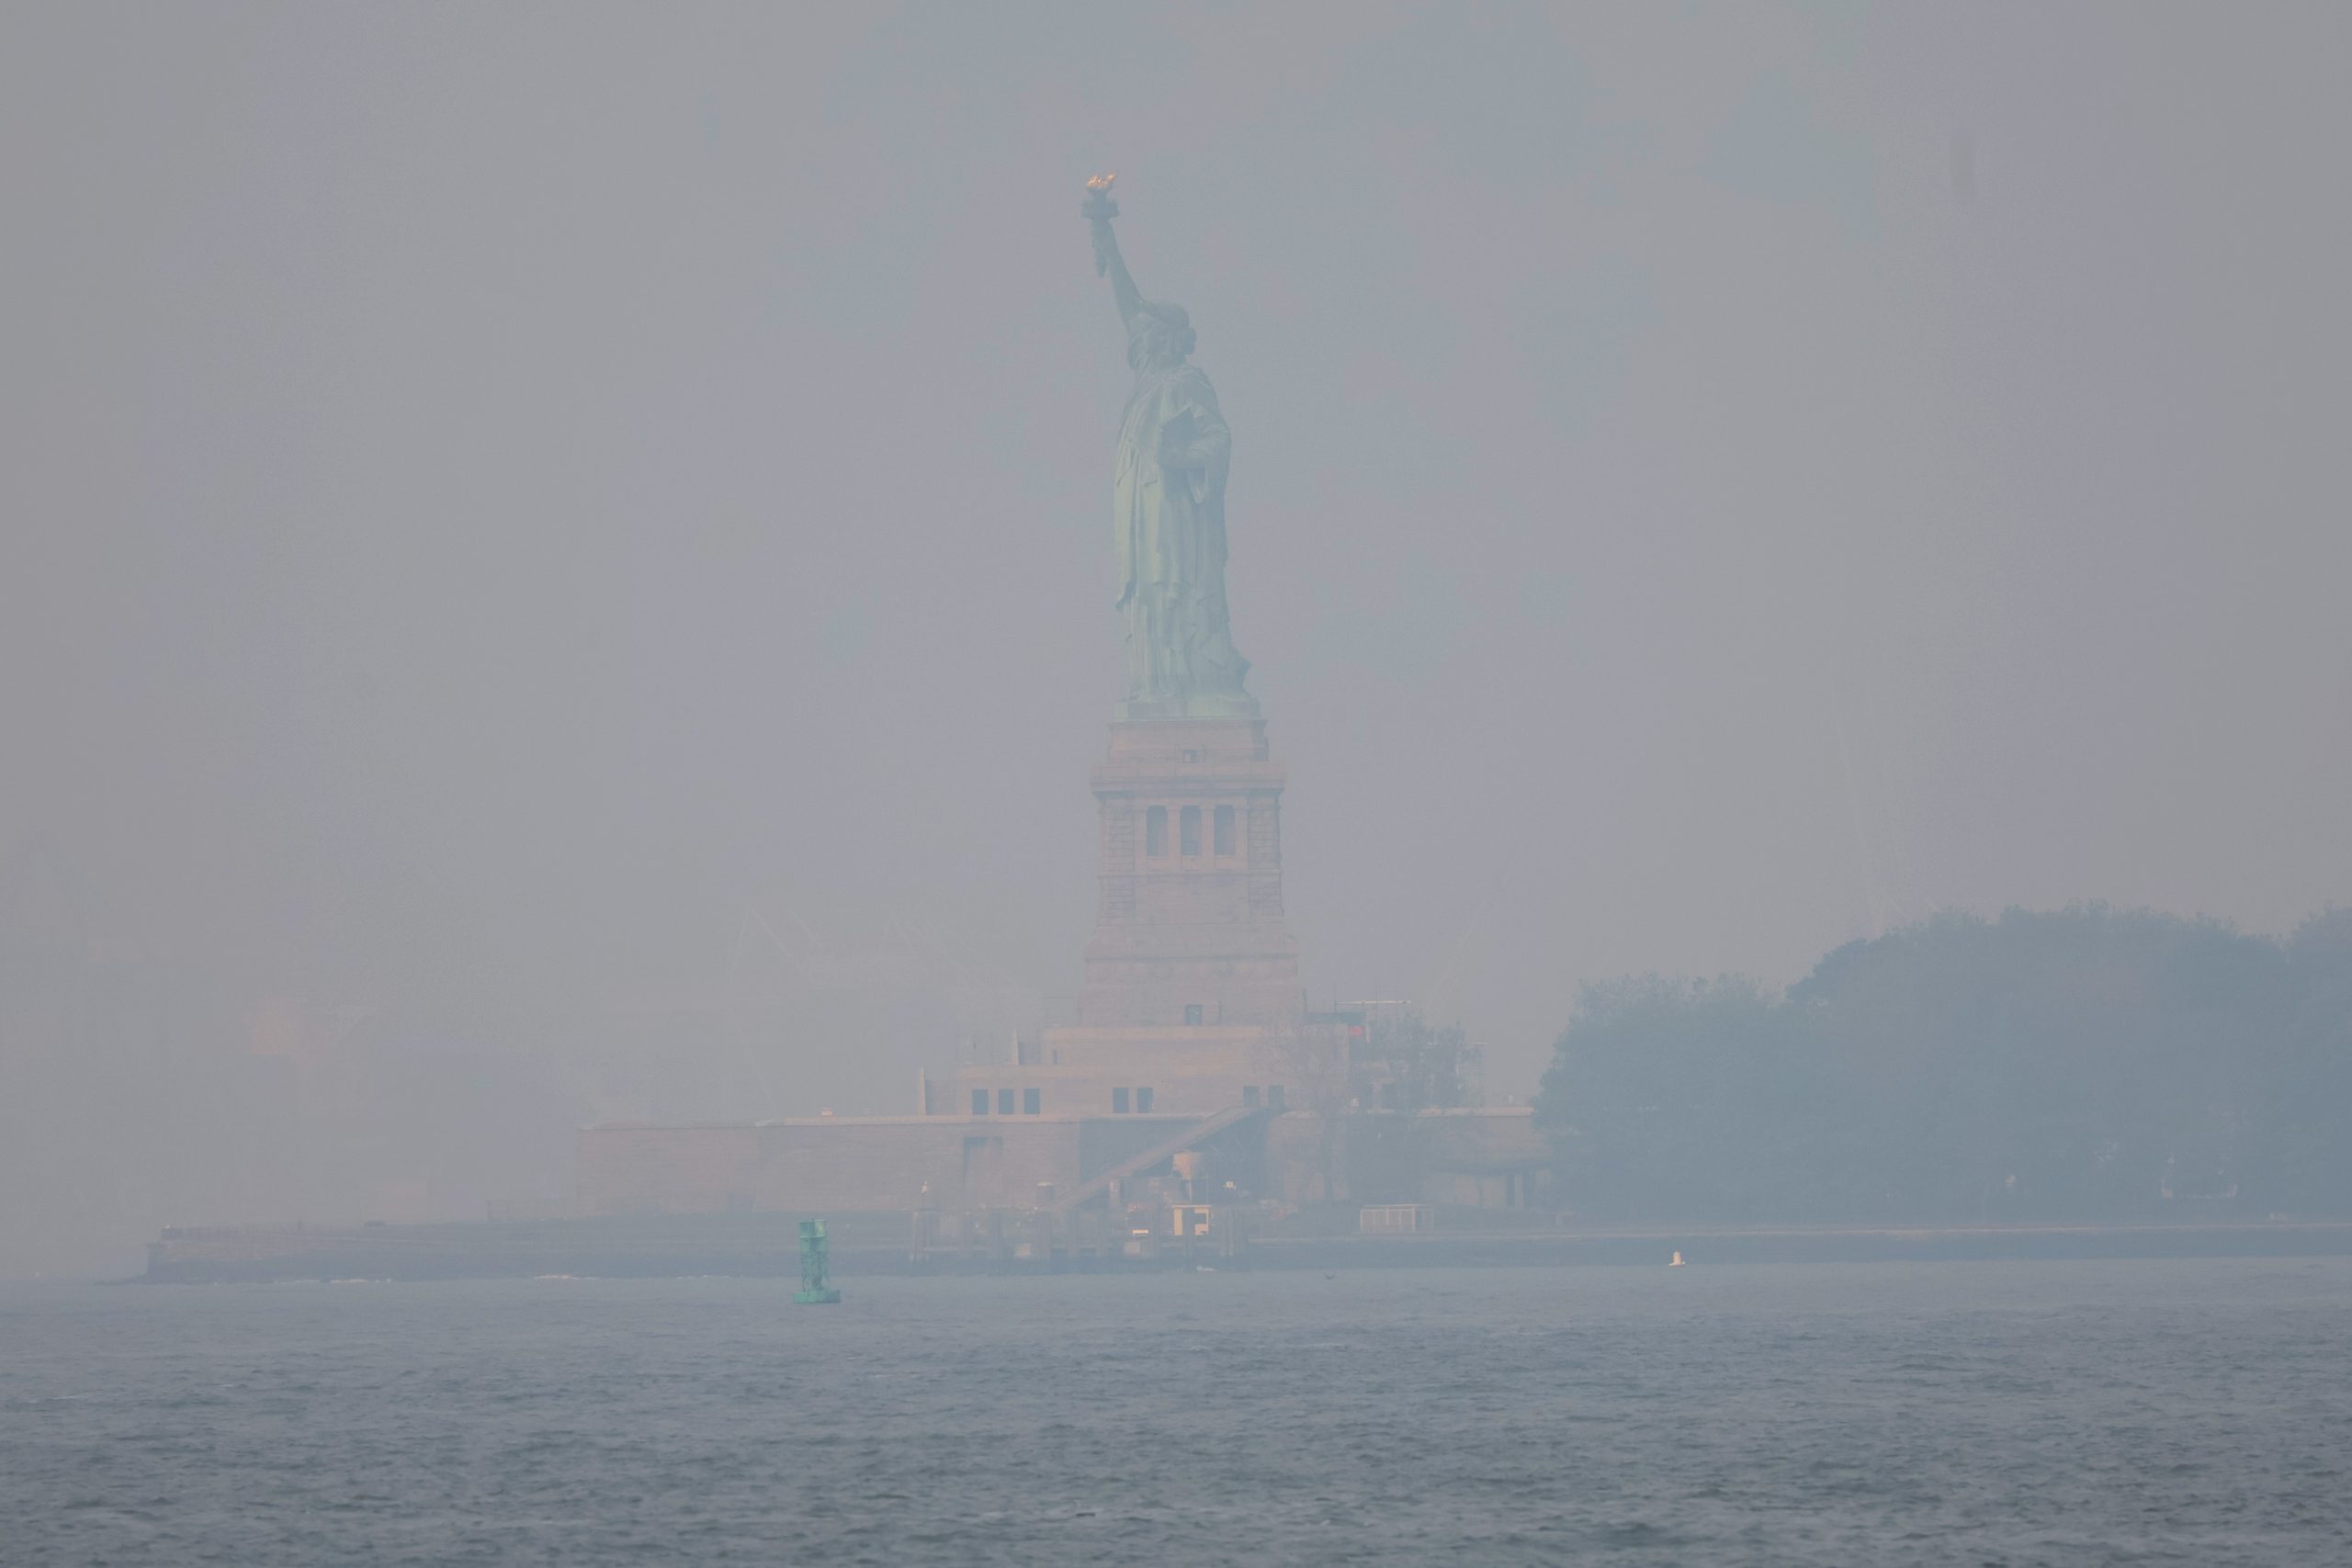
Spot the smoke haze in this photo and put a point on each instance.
(553, 560)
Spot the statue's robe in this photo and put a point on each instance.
(1169, 515)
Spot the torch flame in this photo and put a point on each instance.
(1101, 182)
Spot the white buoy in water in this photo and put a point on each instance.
(1678, 1261)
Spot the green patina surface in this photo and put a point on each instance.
(1168, 509)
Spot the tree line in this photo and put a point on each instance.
(2084, 1064)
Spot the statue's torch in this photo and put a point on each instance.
(1098, 208)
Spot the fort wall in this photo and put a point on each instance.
(865, 1164)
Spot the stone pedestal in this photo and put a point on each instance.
(1188, 926)
(1192, 1002)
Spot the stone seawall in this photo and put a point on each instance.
(764, 1245)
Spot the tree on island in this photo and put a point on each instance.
(1404, 1063)
(2081, 1063)
(1386, 1057)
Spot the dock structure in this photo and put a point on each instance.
(1107, 1181)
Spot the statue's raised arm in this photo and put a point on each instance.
(1099, 209)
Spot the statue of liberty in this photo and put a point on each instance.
(1168, 508)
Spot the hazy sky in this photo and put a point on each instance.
(500, 502)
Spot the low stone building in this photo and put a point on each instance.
(855, 1163)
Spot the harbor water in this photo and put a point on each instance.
(2049, 1412)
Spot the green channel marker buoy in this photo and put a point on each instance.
(815, 1289)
